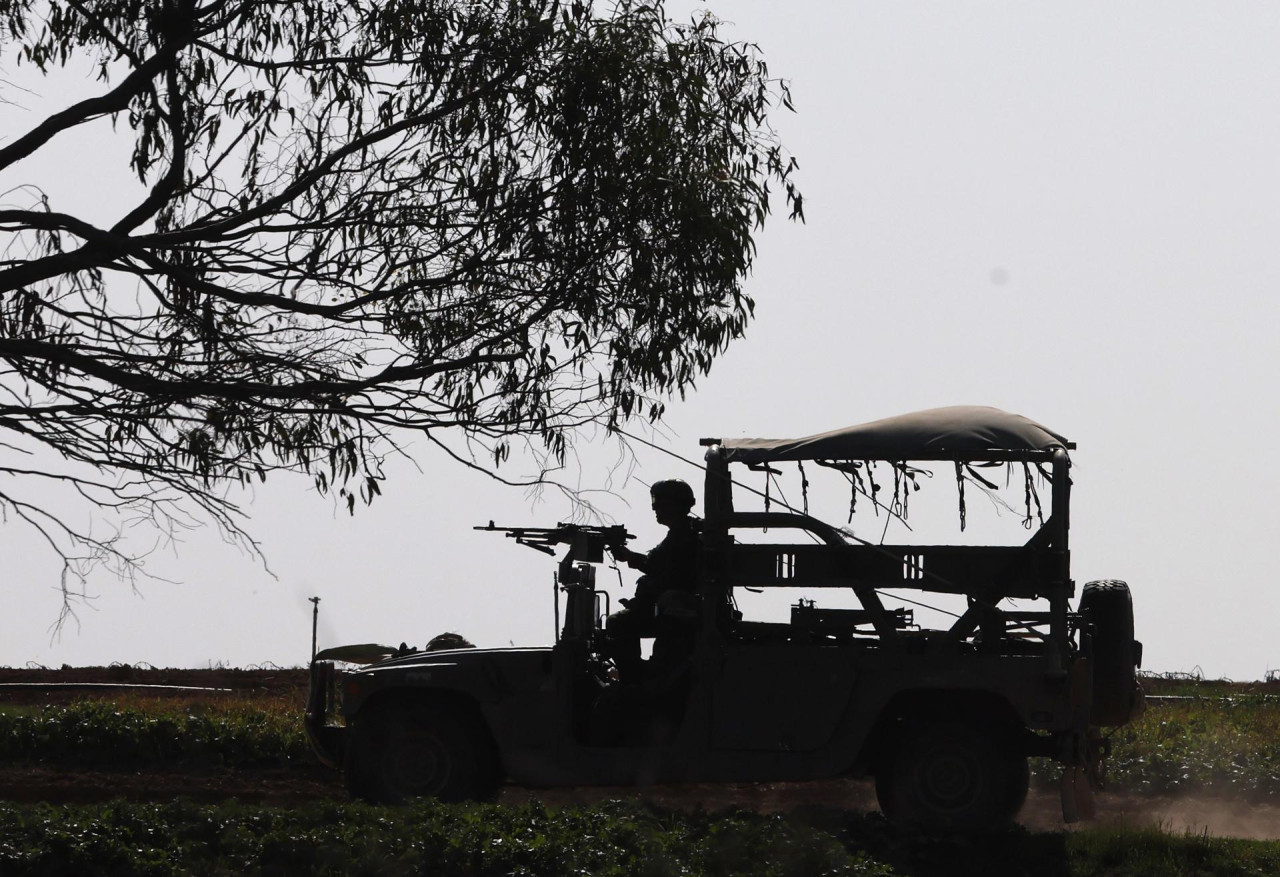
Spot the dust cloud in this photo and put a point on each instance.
(1219, 817)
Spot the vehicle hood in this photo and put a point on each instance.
(445, 657)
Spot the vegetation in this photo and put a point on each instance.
(99, 734)
(1219, 746)
(1214, 738)
(613, 838)
(610, 839)
(353, 219)
(1223, 745)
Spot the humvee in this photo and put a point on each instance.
(944, 719)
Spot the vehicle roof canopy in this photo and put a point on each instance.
(969, 432)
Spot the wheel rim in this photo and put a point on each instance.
(416, 763)
(950, 781)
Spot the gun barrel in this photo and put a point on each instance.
(586, 542)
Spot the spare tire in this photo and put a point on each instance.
(1107, 608)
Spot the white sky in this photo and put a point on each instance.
(1064, 210)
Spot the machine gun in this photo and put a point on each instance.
(586, 544)
(576, 576)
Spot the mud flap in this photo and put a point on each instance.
(1079, 781)
(1077, 795)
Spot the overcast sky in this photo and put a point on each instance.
(1069, 211)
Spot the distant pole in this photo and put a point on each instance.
(315, 620)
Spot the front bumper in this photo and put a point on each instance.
(325, 729)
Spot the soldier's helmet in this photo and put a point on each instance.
(673, 492)
(449, 640)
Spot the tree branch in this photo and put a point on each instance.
(192, 388)
(112, 102)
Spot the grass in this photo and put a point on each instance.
(606, 840)
(1223, 740)
(1151, 852)
(1202, 746)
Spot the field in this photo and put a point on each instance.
(124, 780)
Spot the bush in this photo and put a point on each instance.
(97, 734)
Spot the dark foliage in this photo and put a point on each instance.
(500, 220)
(608, 839)
(614, 839)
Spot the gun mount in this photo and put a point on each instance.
(576, 575)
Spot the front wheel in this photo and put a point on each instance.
(401, 752)
(953, 776)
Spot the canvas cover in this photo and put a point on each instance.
(923, 435)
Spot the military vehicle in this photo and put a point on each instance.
(944, 719)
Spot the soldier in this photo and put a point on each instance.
(670, 573)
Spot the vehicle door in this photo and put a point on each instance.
(778, 690)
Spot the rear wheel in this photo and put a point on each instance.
(1108, 608)
(953, 776)
(405, 751)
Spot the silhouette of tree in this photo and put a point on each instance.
(499, 219)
